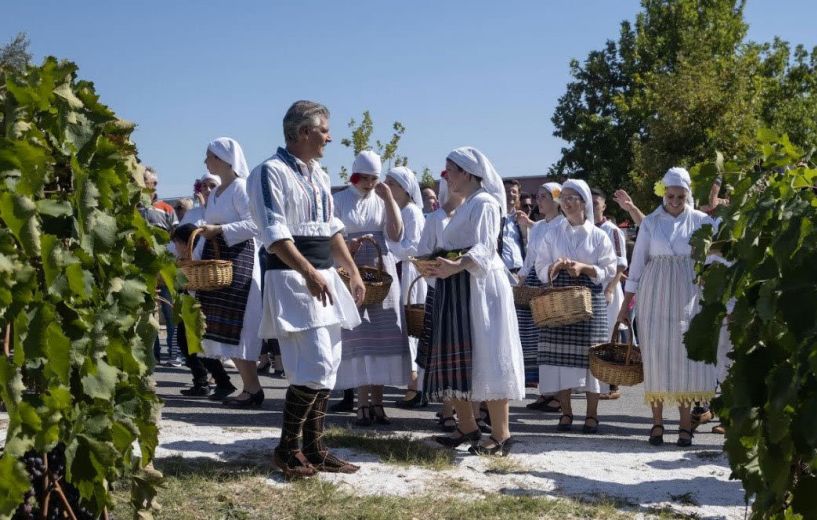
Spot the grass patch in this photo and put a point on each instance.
(402, 450)
(504, 466)
(196, 489)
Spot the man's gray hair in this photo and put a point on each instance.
(300, 114)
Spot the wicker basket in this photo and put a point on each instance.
(559, 306)
(423, 264)
(415, 314)
(377, 280)
(206, 275)
(616, 363)
(523, 294)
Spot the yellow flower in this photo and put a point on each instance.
(555, 192)
(659, 188)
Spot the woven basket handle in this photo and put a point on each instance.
(411, 286)
(380, 267)
(192, 240)
(629, 340)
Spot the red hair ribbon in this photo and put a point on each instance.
(355, 178)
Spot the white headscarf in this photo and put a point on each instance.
(679, 177)
(474, 162)
(210, 177)
(368, 163)
(408, 181)
(583, 189)
(554, 188)
(229, 151)
(442, 196)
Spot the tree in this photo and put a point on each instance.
(15, 55)
(361, 137)
(769, 399)
(427, 180)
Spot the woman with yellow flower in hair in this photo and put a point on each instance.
(662, 273)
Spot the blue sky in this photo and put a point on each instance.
(482, 73)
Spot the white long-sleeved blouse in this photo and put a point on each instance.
(584, 243)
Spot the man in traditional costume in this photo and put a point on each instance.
(305, 301)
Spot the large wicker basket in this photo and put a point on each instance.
(205, 275)
(415, 314)
(377, 280)
(560, 306)
(523, 294)
(616, 363)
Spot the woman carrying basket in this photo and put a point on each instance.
(233, 314)
(376, 352)
(475, 353)
(662, 273)
(574, 252)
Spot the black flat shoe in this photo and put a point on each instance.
(253, 401)
(222, 392)
(347, 404)
(684, 442)
(419, 400)
(657, 439)
(196, 391)
(565, 427)
(590, 429)
(453, 442)
(364, 416)
(379, 417)
(499, 448)
(264, 369)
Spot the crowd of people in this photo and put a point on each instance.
(298, 302)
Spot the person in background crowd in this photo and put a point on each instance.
(475, 353)
(513, 236)
(232, 314)
(403, 184)
(662, 273)
(547, 199)
(526, 203)
(306, 304)
(613, 293)
(575, 252)
(430, 202)
(375, 353)
(182, 206)
(161, 215)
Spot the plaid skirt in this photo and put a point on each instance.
(529, 336)
(224, 308)
(448, 362)
(424, 341)
(569, 346)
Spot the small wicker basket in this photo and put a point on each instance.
(415, 314)
(560, 306)
(523, 294)
(377, 280)
(616, 363)
(205, 275)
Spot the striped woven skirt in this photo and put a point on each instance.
(376, 352)
(448, 362)
(223, 309)
(529, 336)
(667, 301)
(424, 341)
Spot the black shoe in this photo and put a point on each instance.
(252, 401)
(499, 448)
(222, 392)
(684, 442)
(565, 427)
(448, 424)
(196, 391)
(588, 428)
(347, 404)
(657, 439)
(364, 416)
(453, 442)
(264, 369)
(484, 426)
(380, 416)
(419, 400)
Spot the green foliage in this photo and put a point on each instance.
(678, 84)
(361, 140)
(769, 401)
(427, 180)
(77, 293)
(15, 55)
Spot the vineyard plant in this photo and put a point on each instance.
(79, 268)
(768, 235)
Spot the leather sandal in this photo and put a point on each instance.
(295, 466)
(565, 427)
(364, 417)
(329, 463)
(682, 442)
(590, 429)
(657, 439)
(453, 442)
(499, 448)
(379, 417)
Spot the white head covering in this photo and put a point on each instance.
(583, 189)
(442, 195)
(554, 188)
(229, 151)
(210, 177)
(679, 177)
(368, 163)
(474, 162)
(408, 181)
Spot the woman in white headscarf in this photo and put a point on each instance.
(475, 353)
(406, 191)
(574, 252)
(233, 314)
(662, 273)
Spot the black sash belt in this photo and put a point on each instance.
(316, 250)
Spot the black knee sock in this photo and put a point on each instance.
(299, 401)
(314, 425)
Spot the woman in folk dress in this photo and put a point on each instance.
(376, 352)
(575, 252)
(662, 273)
(406, 191)
(233, 314)
(475, 352)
